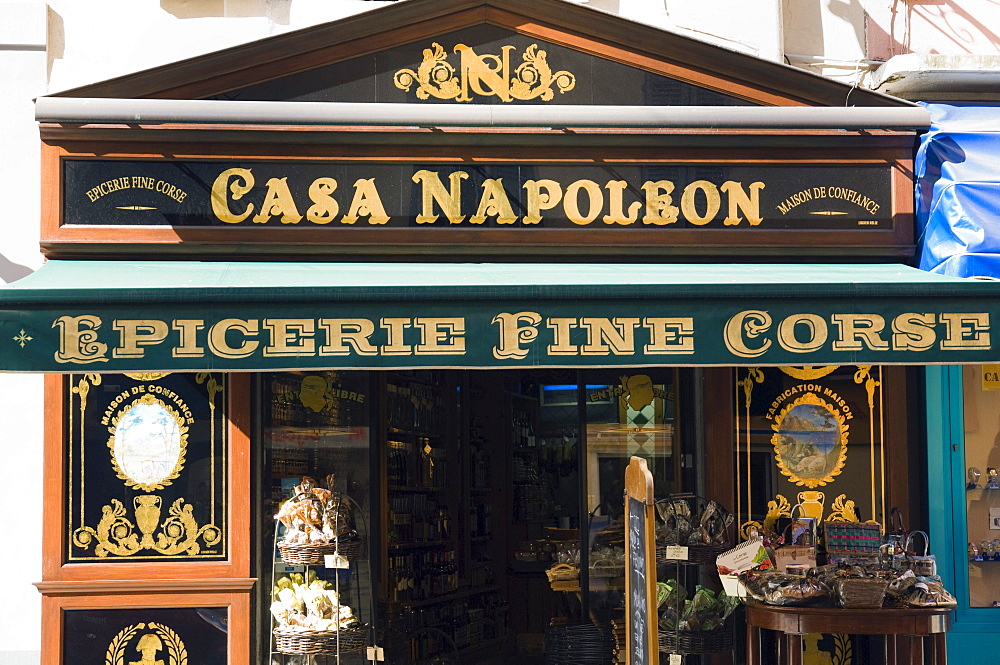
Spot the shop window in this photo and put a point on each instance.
(146, 467)
(146, 636)
(316, 477)
(464, 487)
(813, 437)
(982, 461)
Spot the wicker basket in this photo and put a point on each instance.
(852, 538)
(309, 555)
(303, 640)
(562, 572)
(860, 592)
(607, 570)
(693, 642)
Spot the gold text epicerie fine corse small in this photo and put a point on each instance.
(581, 201)
(136, 182)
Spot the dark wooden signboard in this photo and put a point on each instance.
(640, 578)
(654, 198)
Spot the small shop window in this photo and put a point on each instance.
(315, 515)
(146, 467)
(982, 495)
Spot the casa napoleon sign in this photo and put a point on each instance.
(654, 197)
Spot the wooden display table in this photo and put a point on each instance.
(905, 630)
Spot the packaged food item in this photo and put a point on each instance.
(779, 588)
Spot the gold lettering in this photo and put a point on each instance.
(815, 326)
(669, 335)
(539, 200)
(616, 215)
(355, 332)
(659, 210)
(366, 202)
(242, 183)
(324, 207)
(753, 323)
(134, 333)
(494, 201)
(605, 336)
(78, 340)
(219, 345)
(278, 201)
(394, 345)
(571, 208)
(513, 334)
(441, 335)
(913, 332)
(740, 201)
(689, 206)
(188, 346)
(290, 337)
(561, 330)
(476, 70)
(857, 327)
(171, 190)
(966, 331)
(432, 191)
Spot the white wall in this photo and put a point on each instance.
(22, 63)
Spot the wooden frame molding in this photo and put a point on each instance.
(275, 242)
(99, 575)
(237, 604)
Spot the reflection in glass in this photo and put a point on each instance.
(982, 403)
(148, 443)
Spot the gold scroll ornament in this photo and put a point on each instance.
(484, 75)
(841, 510)
(150, 641)
(116, 534)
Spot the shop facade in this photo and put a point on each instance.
(467, 259)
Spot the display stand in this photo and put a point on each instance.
(327, 643)
(680, 561)
(905, 631)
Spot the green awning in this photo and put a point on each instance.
(113, 316)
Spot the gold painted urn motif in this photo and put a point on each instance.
(147, 517)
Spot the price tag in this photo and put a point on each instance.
(336, 561)
(679, 553)
(676, 659)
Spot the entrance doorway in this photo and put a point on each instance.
(465, 488)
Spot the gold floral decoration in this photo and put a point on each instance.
(117, 535)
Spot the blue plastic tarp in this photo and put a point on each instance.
(958, 191)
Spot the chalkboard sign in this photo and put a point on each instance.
(637, 576)
(640, 577)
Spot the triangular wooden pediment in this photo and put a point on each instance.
(422, 51)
